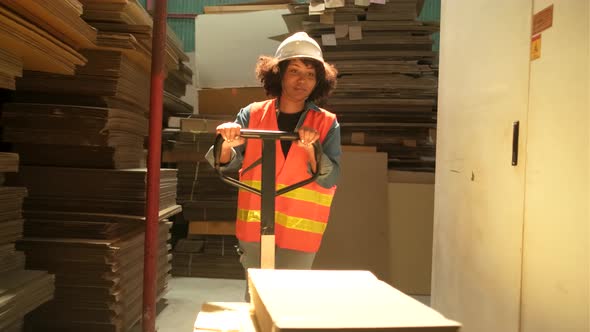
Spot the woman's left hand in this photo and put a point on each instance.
(307, 136)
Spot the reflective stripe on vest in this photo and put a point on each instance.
(284, 220)
(300, 194)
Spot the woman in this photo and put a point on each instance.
(296, 77)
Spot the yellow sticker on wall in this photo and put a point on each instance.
(535, 47)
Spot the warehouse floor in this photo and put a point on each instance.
(186, 295)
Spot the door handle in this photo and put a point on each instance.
(515, 132)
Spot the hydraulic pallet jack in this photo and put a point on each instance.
(267, 191)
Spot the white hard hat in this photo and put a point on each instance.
(299, 45)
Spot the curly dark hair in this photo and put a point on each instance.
(270, 72)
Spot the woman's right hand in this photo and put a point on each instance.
(230, 131)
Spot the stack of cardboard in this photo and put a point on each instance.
(59, 18)
(200, 190)
(206, 200)
(217, 257)
(89, 190)
(97, 284)
(54, 30)
(178, 79)
(108, 74)
(216, 106)
(124, 24)
(199, 182)
(30, 42)
(87, 227)
(175, 89)
(204, 196)
(209, 205)
(11, 66)
(86, 224)
(70, 135)
(175, 109)
(104, 124)
(386, 94)
(21, 290)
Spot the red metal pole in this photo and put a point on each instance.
(153, 168)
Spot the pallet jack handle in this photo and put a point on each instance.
(267, 191)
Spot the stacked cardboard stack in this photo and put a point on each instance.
(97, 284)
(216, 257)
(30, 42)
(96, 280)
(89, 190)
(200, 190)
(11, 67)
(21, 290)
(107, 74)
(51, 30)
(175, 108)
(206, 200)
(198, 182)
(59, 18)
(204, 196)
(72, 135)
(216, 106)
(209, 205)
(86, 226)
(386, 94)
(125, 25)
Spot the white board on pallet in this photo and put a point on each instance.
(296, 300)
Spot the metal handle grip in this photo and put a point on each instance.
(266, 135)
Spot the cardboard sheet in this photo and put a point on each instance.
(295, 300)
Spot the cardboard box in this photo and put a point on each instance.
(225, 316)
(296, 300)
(228, 100)
(212, 227)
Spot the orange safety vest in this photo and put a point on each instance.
(301, 215)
